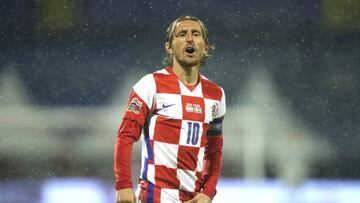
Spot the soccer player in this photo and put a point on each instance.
(178, 114)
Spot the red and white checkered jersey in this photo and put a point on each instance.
(175, 128)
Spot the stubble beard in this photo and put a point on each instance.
(186, 63)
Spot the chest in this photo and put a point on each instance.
(185, 107)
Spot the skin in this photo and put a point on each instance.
(126, 195)
(200, 198)
(186, 67)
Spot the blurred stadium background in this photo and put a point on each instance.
(290, 70)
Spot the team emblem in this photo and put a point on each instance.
(193, 108)
(213, 110)
(134, 106)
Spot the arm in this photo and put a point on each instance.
(129, 132)
(213, 150)
(212, 164)
(213, 154)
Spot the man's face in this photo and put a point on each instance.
(188, 45)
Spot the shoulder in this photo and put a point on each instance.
(149, 78)
(145, 82)
(155, 80)
(161, 74)
(211, 89)
(146, 87)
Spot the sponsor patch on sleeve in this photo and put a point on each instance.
(134, 106)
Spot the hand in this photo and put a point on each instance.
(126, 195)
(200, 198)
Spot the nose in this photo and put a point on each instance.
(189, 37)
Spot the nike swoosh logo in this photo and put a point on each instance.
(167, 106)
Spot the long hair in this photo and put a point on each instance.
(168, 60)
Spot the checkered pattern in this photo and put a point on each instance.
(175, 134)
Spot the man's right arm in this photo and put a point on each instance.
(128, 133)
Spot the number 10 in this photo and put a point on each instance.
(193, 133)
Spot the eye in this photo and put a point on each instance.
(196, 34)
(181, 34)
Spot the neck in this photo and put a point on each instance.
(187, 75)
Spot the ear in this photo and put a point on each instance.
(168, 48)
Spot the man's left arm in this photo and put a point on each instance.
(213, 149)
(213, 157)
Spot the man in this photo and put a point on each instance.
(179, 114)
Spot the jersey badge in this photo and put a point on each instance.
(134, 106)
(213, 110)
(193, 108)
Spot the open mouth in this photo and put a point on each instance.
(190, 50)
